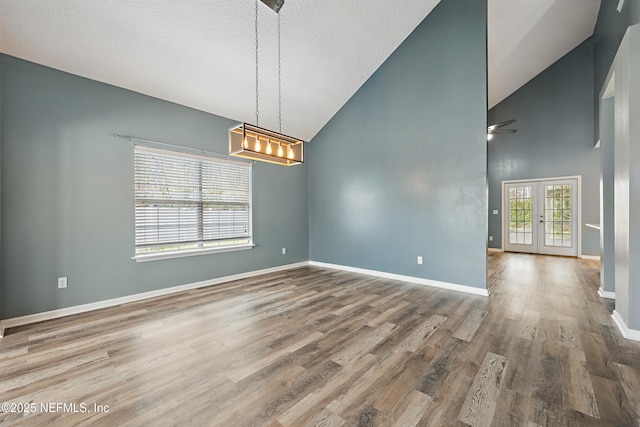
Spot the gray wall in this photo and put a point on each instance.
(1, 189)
(610, 28)
(554, 114)
(400, 170)
(608, 33)
(607, 137)
(634, 12)
(627, 179)
(67, 192)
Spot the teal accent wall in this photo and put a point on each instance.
(610, 28)
(67, 192)
(400, 170)
(554, 114)
(634, 12)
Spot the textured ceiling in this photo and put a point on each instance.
(200, 53)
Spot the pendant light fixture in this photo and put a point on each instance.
(256, 143)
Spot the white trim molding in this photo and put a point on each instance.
(187, 253)
(630, 334)
(495, 250)
(606, 294)
(400, 277)
(592, 257)
(54, 314)
(68, 311)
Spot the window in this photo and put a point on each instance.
(188, 204)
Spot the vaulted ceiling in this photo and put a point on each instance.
(527, 36)
(201, 53)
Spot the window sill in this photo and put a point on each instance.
(189, 253)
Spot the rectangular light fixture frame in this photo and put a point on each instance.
(252, 142)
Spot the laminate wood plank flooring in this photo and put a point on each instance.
(470, 325)
(319, 347)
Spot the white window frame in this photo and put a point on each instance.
(147, 250)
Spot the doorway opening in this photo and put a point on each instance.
(542, 216)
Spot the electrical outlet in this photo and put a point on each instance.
(419, 260)
(62, 282)
(491, 238)
(495, 211)
(284, 251)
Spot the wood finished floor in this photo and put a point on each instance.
(319, 347)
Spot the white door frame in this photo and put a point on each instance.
(578, 178)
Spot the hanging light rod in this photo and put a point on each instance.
(256, 143)
(275, 5)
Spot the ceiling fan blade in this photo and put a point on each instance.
(501, 124)
(495, 131)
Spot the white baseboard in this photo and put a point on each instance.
(83, 308)
(606, 294)
(54, 314)
(495, 250)
(593, 257)
(410, 279)
(630, 334)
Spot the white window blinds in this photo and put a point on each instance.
(185, 202)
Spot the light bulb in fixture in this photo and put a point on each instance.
(245, 143)
(269, 150)
(280, 151)
(257, 146)
(290, 155)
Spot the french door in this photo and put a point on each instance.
(541, 216)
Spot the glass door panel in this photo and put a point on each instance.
(520, 211)
(541, 217)
(559, 228)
